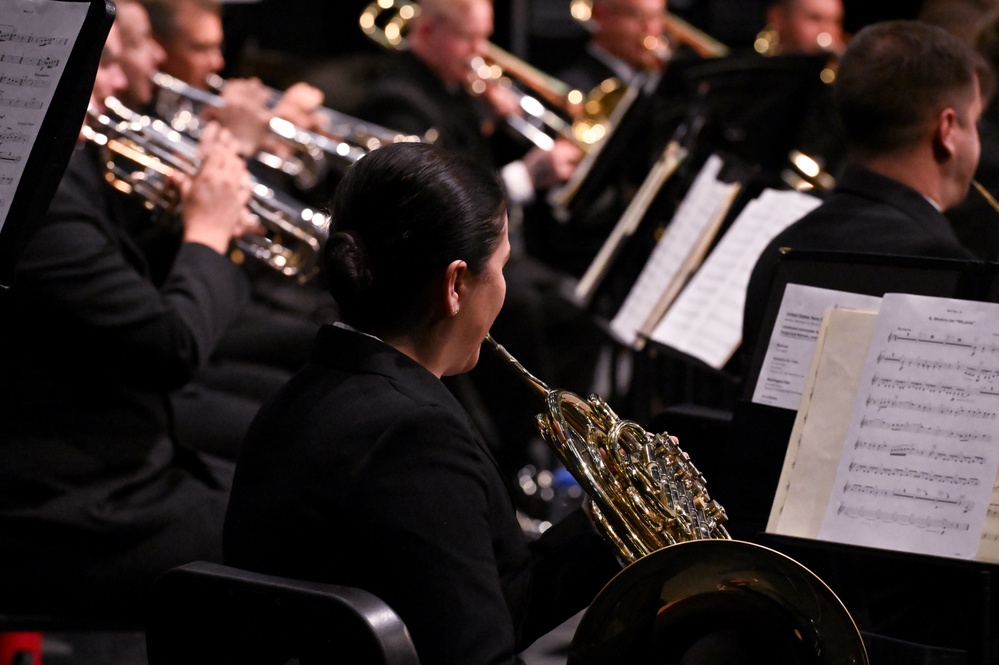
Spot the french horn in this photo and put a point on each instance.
(141, 153)
(685, 576)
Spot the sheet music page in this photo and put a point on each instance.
(705, 321)
(792, 342)
(706, 200)
(816, 440)
(36, 39)
(920, 458)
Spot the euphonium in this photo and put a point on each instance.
(685, 574)
(141, 154)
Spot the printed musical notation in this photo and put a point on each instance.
(15, 59)
(7, 35)
(909, 450)
(883, 403)
(920, 472)
(24, 82)
(940, 525)
(36, 42)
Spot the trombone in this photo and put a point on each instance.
(386, 22)
(674, 29)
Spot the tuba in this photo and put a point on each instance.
(141, 153)
(684, 573)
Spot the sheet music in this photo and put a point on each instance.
(920, 458)
(669, 161)
(697, 216)
(705, 321)
(792, 342)
(36, 39)
(820, 427)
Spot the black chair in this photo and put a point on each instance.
(210, 613)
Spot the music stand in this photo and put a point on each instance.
(767, 429)
(47, 66)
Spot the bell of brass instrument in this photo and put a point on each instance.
(142, 153)
(585, 118)
(685, 574)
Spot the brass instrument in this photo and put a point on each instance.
(651, 503)
(309, 151)
(141, 155)
(675, 30)
(767, 42)
(340, 126)
(386, 22)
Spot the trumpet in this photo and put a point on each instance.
(342, 127)
(309, 151)
(142, 153)
(583, 119)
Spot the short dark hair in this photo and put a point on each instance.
(163, 15)
(897, 75)
(399, 217)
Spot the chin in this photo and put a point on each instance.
(468, 365)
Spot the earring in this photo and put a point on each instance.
(454, 310)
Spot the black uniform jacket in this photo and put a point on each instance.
(866, 213)
(409, 97)
(366, 471)
(91, 348)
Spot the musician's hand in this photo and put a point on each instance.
(552, 167)
(246, 113)
(502, 100)
(213, 200)
(300, 106)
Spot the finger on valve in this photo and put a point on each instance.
(245, 112)
(214, 198)
(300, 105)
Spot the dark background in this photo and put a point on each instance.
(288, 34)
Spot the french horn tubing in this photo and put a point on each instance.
(684, 573)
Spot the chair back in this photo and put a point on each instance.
(210, 613)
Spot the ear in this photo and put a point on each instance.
(454, 287)
(944, 140)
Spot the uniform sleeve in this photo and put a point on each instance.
(75, 275)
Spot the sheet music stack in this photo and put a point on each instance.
(894, 442)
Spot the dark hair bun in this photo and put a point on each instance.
(348, 268)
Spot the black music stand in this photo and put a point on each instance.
(746, 105)
(746, 108)
(58, 119)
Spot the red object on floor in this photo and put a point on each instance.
(20, 645)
